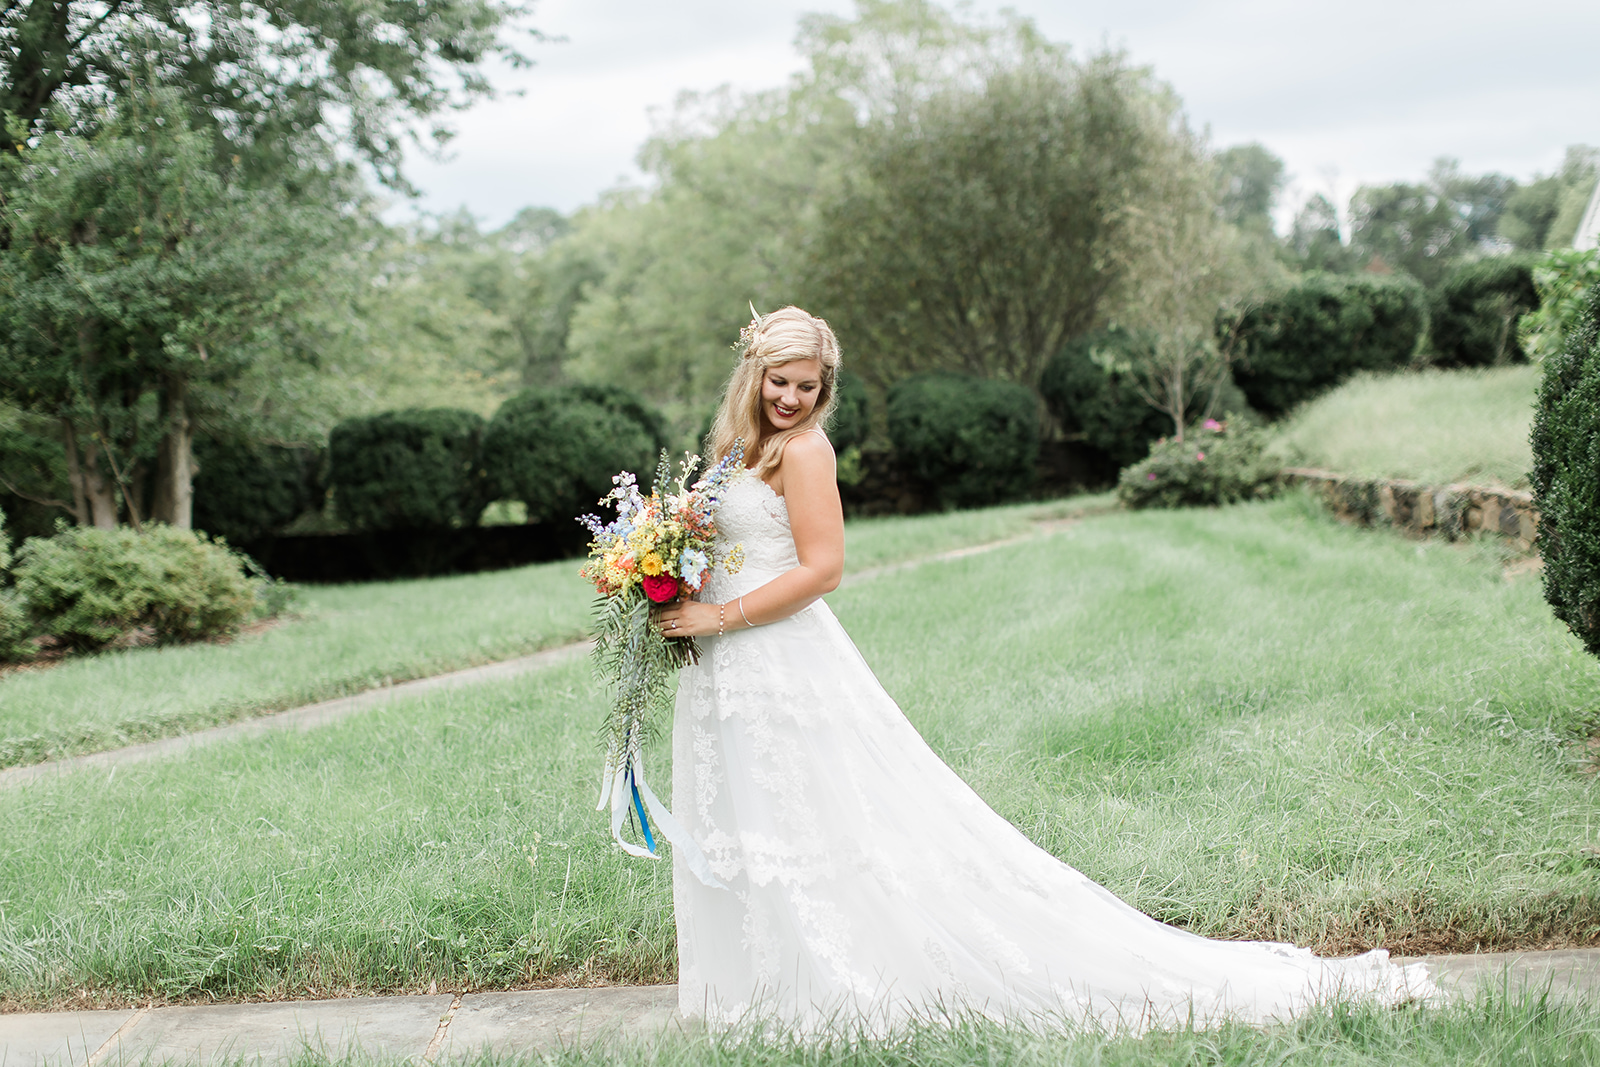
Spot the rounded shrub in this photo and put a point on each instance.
(1214, 464)
(966, 441)
(244, 491)
(1089, 388)
(1476, 309)
(1311, 337)
(406, 470)
(89, 586)
(1566, 476)
(557, 449)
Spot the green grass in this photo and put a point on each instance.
(1253, 722)
(353, 637)
(1437, 427)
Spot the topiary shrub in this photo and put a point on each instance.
(1313, 336)
(245, 491)
(1475, 312)
(1566, 476)
(966, 441)
(89, 586)
(1214, 464)
(557, 449)
(1089, 388)
(407, 470)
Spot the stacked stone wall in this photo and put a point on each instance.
(1451, 511)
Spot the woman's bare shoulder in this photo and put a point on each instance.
(808, 450)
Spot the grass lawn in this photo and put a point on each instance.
(353, 637)
(1437, 427)
(1253, 722)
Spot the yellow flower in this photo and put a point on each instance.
(651, 564)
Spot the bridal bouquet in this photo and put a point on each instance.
(658, 549)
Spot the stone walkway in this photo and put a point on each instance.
(445, 1028)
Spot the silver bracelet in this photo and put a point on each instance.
(742, 615)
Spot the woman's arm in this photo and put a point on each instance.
(809, 484)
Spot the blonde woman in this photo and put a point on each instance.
(856, 879)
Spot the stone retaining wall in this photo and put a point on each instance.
(1452, 511)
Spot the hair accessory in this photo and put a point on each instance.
(747, 336)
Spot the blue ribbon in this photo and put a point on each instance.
(638, 806)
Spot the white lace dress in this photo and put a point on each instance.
(864, 883)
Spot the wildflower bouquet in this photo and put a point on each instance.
(658, 549)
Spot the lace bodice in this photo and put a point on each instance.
(754, 516)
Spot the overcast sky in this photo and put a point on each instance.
(1346, 93)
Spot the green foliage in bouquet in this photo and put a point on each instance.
(1311, 337)
(412, 469)
(556, 449)
(1565, 279)
(1091, 390)
(247, 490)
(1214, 464)
(1566, 476)
(1475, 312)
(968, 442)
(90, 586)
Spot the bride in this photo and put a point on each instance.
(857, 879)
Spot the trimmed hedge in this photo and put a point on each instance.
(245, 491)
(1566, 476)
(413, 469)
(1313, 336)
(1091, 394)
(557, 449)
(89, 586)
(1475, 313)
(967, 441)
(1214, 464)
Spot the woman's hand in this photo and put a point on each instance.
(687, 618)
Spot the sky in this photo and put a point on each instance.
(1348, 93)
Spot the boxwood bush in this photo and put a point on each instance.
(1475, 312)
(1216, 463)
(1311, 337)
(245, 490)
(1566, 475)
(1089, 388)
(967, 442)
(89, 586)
(406, 470)
(556, 449)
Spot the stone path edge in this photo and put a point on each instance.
(311, 716)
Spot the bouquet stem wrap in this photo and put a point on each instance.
(658, 549)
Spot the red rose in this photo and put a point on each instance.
(661, 588)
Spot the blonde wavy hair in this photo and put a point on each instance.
(772, 340)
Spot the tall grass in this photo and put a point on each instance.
(1252, 722)
(353, 637)
(1438, 427)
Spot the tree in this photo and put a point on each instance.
(1544, 214)
(269, 81)
(1249, 181)
(1315, 238)
(981, 227)
(136, 277)
(1407, 227)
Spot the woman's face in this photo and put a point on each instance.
(789, 393)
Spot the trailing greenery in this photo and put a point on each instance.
(1092, 392)
(1476, 309)
(89, 586)
(1435, 427)
(557, 449)
(245, 490)
(1566, 482)
(1564, 280)
(1252, 722)
(413, 469)
(1213, 464)
(1310, 337)
(966, 441)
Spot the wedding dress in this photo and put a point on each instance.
(861, 882)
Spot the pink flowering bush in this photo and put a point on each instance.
(1215, 463)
